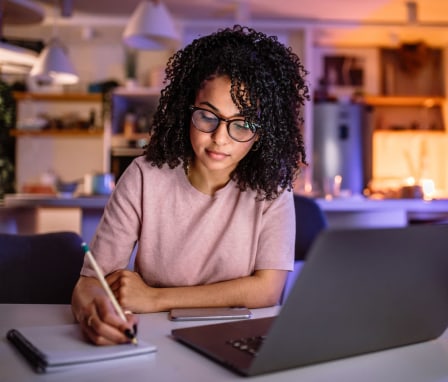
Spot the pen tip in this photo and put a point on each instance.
(131, 336)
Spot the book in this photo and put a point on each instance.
(54, 347)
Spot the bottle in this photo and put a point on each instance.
(129, 125)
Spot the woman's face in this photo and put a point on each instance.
(217, 151)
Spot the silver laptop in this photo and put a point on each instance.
(360, 291)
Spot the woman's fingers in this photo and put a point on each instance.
(103, 326)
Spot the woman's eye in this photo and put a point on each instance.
(208, 117)
(241, 125)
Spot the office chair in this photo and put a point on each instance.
(310, 221)
(40, 268)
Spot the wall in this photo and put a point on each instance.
(69, 157)
(404, 154)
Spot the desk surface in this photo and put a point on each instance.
(174, 362)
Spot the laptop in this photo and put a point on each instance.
(359, 291)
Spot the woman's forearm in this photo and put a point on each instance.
(262, 289)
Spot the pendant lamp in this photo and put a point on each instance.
(13, 54)
(17, 12)
(151, 27)
(53, 65)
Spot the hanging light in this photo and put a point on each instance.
(13, 54)
(151, 27)
(17, 12)
(53, 65)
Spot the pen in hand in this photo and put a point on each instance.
(106, 287)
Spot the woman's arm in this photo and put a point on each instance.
(261, 289)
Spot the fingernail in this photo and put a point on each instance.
(129, 334)
(135, 329)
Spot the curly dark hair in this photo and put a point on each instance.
(267, 86)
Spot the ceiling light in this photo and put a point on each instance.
(54, 66)
(13, 54)
(17, 12)
(13, 69)
(151, 27)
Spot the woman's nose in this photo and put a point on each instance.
(221, 135)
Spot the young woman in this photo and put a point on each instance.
(210, 205)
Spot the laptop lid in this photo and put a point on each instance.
(360, 290)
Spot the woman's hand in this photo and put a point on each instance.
(97, 317)
(132, 292)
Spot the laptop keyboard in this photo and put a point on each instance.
(250, 345)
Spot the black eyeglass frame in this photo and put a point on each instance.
(252, 128)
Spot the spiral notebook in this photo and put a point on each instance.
(48, 348)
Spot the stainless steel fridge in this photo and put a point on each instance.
(342, 141)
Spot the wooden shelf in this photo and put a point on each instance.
(61, 97)
(58, 133)
(403, 101)
(137, 91)
(133, 136)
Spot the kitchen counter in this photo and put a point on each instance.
(33, 200)
(36, 213)
(370, 213)
(333, 205)
(30, 213)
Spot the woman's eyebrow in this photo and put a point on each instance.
(205, 103)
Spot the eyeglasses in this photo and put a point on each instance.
(206, 121)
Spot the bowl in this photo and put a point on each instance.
(66, 187)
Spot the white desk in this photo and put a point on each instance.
(175, 362)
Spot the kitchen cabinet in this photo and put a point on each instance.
(62, 133)
(412, 69)
(408, 142)
(407, 113)
(29, 214)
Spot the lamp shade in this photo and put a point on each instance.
(13, 54)
(150, 27)
(54, 66)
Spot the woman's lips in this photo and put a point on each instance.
(216, 154)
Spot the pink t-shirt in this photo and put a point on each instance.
(186, 237)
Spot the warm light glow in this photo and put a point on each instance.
(308, 188)
(410, 181)
(337, 185)
(429, 189)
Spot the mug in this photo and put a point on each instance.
(103, 184)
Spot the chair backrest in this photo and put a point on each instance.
(39, 268)
(310, 221)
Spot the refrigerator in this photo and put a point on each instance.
(342, 142)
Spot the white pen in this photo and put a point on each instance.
(106, 287)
